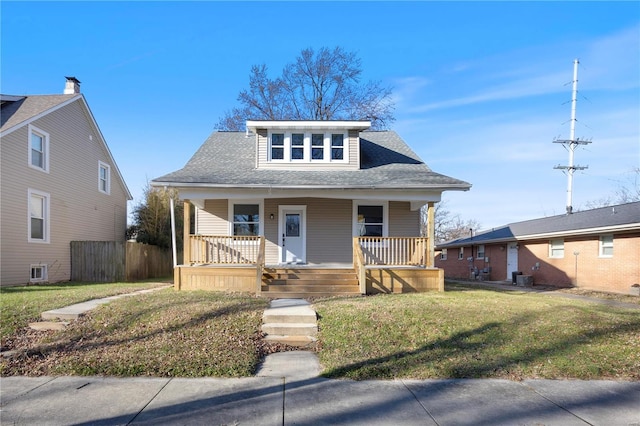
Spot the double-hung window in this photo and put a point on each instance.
(443, 254)
(246, 219)
(370, 219)
(461, 253)
(337, 146)
(317, 146)
(104, 177)
(556, 248)
(606, 246)
(38, 149)
(480, 252)
(297, 146)
(277, 146)
(38, 225)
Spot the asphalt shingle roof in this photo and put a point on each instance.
(611, 216)
(229, 159)
(15, 112)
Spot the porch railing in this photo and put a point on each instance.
(394, 251)
(215, 249)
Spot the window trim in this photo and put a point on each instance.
(552, 248)
(385, 215)
(307, 146)
(107, 167)
(260, 204)
(478, 252)
(45, 273)
(461, 253)
(602, 246)
(46, 219)
(443, 254)
(45, 148)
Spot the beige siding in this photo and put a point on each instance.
(262, 146)
(402, 221)
(354, 149)
(213, 219)
(78, 211)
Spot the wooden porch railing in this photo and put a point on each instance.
(215, 249)
(394, 251)
(359, 266)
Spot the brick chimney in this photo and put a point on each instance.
(72, 86)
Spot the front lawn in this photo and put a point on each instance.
(477, 333)
(21, 305)
(464, 332)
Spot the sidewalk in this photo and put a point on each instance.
(315, 401)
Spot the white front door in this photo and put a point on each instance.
(292, 231)
(512, 259)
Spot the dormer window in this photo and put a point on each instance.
(337, 146)
(277, 146)
(317, 146)
(307, 147)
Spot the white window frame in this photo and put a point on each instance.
(44, 273)
(480, 251)
(46, 203)
(343, 147)
(556, 248)
(107, 168)
(461, 253)
(260, 204)
(443, 254)
(307, 146)
(385, 215)
(602, 245)
(33, 130)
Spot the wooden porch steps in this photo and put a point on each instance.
(296, 282)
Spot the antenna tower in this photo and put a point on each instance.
(572, 142)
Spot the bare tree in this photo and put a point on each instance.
(152, 219)
(448, 226)
(322, 85)
(628, 191)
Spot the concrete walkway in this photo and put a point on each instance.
(315, 401)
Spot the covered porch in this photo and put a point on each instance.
(262, 264)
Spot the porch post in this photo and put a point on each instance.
(186, 246)
(431, 234)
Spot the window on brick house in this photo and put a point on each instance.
(606, 246)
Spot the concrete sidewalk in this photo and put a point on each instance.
(315, 401)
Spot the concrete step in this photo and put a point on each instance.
(48, 325)
(299, 341)
(288, 317)
(288, 329)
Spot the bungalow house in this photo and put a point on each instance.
(59, 183)
(596, 249)
(297, 208)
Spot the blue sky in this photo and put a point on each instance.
(481, 88)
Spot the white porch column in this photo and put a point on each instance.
(431, 230)
(186, 242)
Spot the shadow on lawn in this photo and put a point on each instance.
(467, 356)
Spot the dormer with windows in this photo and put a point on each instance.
(311, 145)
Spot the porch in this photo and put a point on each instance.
(237, 263)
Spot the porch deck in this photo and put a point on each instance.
(391, 265)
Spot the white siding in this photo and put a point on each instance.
(78, 210)
(213, 219)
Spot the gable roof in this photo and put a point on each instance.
(18, 111)
(621, 217)
(228, 159)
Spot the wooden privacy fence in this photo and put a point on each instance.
(111, 261)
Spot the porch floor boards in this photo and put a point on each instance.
(306, 281)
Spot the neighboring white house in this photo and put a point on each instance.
(59, 184)
(313, 194)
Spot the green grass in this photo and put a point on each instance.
(21, 305)
(476, 333)
(464, 332)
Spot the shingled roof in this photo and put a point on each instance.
(18, 109)
(620, 217)
(228, 159)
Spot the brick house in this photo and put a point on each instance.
(597, 249)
